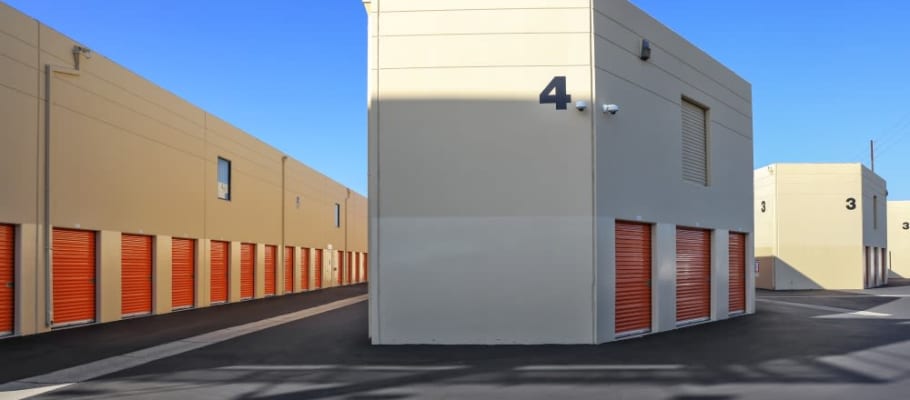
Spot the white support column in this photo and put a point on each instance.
(720, 274)
(161, 273)
(750, 273)
(203, 273)
(606, 280)
(663, 293)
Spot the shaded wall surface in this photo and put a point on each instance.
(493, 199)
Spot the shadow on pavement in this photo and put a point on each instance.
(329, 355)
(28, 356)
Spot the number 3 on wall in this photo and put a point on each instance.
(555, 93)
(906, 225)
(851, 203)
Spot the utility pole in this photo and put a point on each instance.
(872, 153)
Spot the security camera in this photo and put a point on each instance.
(581, 105)
(611, 108)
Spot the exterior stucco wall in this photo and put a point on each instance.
(126, 156)
(820, 235)
(484, 222)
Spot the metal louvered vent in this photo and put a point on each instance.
(694, 143)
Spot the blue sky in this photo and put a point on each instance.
(827, 75)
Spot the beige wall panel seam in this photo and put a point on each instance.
(678, 59)
(17, 24)
(479, 22)
(26, 49)
(85, 83)
(146, 99)
(230, 132)
(243, 148)
(669, 100)
(119, 128)
(234, 154)
(19, 91)
(711, 62)
(236, 171)
(457, 34)
(512, 66)
(561, 7)
(115, 104)
(686, 82)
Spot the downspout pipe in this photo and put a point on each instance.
(49, 72)
(284, 263)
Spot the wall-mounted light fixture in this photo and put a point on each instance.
(81, 51)
(645, 54)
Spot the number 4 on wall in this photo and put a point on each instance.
(555, 93)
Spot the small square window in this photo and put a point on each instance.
(337, 215)
(224, 179)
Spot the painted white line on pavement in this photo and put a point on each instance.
(55, 380)
(26, 393)
(610, 367)
(895, 310)
(809, 306)
(342, 367)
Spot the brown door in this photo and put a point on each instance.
(247, 271)
(737, 272)
(73, 277)
(317, 269)
(271, 253)
(219, 281)
(305, 268)
(135, 275)
(693, 275)
(633, 278)
(7, 279)
(288, 269)
(366, 267)
(183, 273)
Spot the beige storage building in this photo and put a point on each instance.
(899, 238)
(121, 199)
(551, 172)
(820, 226)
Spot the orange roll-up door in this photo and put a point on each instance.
(305, 268)
(350, 270)
(135, 275)
(288, 269)
(693, 275)
(633, 278)
(366, 267)
(247, 251)
(317, 269)
(183, 273)
(73, 277)
(219, 273)
(7, 279)
(737, 272)
(271, 254)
